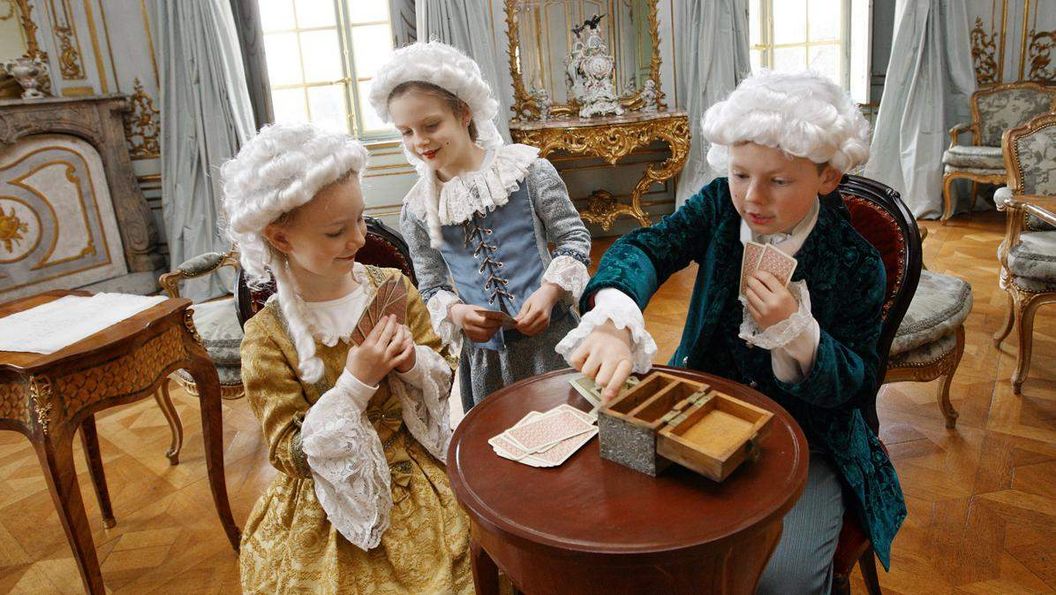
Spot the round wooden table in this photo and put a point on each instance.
(595, 526)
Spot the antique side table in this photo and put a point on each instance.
(594, 526)
(48, 397)
(612, 138)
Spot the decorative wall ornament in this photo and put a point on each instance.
(984, 55)
(589, 73)
(30, 73)
(143, 125)
(69, 57)
(1040, 56)
(11, 229)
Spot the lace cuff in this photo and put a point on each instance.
(612, 304)
(355, 389)
(568, 274)
(780, 334)
(348, 466)
(423, 393)
(439, 306)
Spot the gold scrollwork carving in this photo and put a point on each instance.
(143, 125)
(984, 54)
(69, 58)
(1041, 45)
(40, 394)
(188, 321)
(11, 229)
(611, 141)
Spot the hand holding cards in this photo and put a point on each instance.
(765, 257)
(545, 439)
(505, 320)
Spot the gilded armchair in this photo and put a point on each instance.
(994, 110)
(1028, 253)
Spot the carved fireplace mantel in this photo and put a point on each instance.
(97, 121)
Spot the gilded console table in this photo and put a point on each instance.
(48, 397)
(613, 138)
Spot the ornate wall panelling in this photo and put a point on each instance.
(1012, 40)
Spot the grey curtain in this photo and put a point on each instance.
(711, 58)
(205, 118)
(246, 14)
(466, 25)
(929, 81)
(404, 22)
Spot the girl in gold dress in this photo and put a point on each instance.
(358, 432)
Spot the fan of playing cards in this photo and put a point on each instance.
(765, 257)
(546, 439)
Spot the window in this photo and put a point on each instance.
(322, 56)
(828, 36)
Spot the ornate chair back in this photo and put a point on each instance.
(384, 247)
(1030, 156)
(996, 109)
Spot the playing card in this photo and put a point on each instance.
(587, 388)
(584, 415)
(559, 453)
(505, 319)
(505, 447)
(753, 252)
(391, 298)
(778, 263)
(548, 429)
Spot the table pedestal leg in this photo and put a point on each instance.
(485, 572)
(56, 458)
(175, 425)
(208, 383)
(90, 440)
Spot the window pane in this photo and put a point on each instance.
(364, 11)
(289, 106)
(824, 59)
(322, 56)
(315, 13)
(790, 59)
(327, 105)
(790, 21)
(825, 18)
(755, 22)
(275, 14)
(757, 60)
(284, 59)
(372, 47)
(371, 121)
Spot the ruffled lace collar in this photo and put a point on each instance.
(479, 191)
(328, 334)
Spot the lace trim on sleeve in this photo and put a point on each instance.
(438, 306)
(349, 468)
(643, 348)
(780, 334)
(425, 409)
(569, 274)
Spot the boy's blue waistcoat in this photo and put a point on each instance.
(845, 278)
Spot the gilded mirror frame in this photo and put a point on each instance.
(525, 103)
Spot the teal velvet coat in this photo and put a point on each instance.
(845, 277)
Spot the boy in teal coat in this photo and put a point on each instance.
(812, 346)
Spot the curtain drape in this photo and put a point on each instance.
(206, 116)
(246, 15)
(711, 58)
(466, 25)
(929, 81)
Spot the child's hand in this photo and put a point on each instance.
(534, 316)
(385, 348)
(476, 326)
(769, 302)
(605, 357)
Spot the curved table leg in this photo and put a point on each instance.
(171, 416)
(56, 458)
(485, 572)
(90, 440)
(208, 383)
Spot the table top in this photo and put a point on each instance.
(126, 329)
(597, 506)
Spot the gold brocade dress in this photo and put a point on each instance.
(288, 545)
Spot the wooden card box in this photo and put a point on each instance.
(666, 418)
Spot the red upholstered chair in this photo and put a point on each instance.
(880, 216)
(384, 247)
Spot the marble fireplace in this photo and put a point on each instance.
(71, 212)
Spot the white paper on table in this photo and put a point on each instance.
(49, 327)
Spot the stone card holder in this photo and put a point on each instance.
(667, 419)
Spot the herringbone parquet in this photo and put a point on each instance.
(982, 498)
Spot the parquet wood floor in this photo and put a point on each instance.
(982, 498)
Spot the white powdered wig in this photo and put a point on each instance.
(283, 167)
(804, 114)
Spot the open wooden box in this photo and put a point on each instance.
(666, 418)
